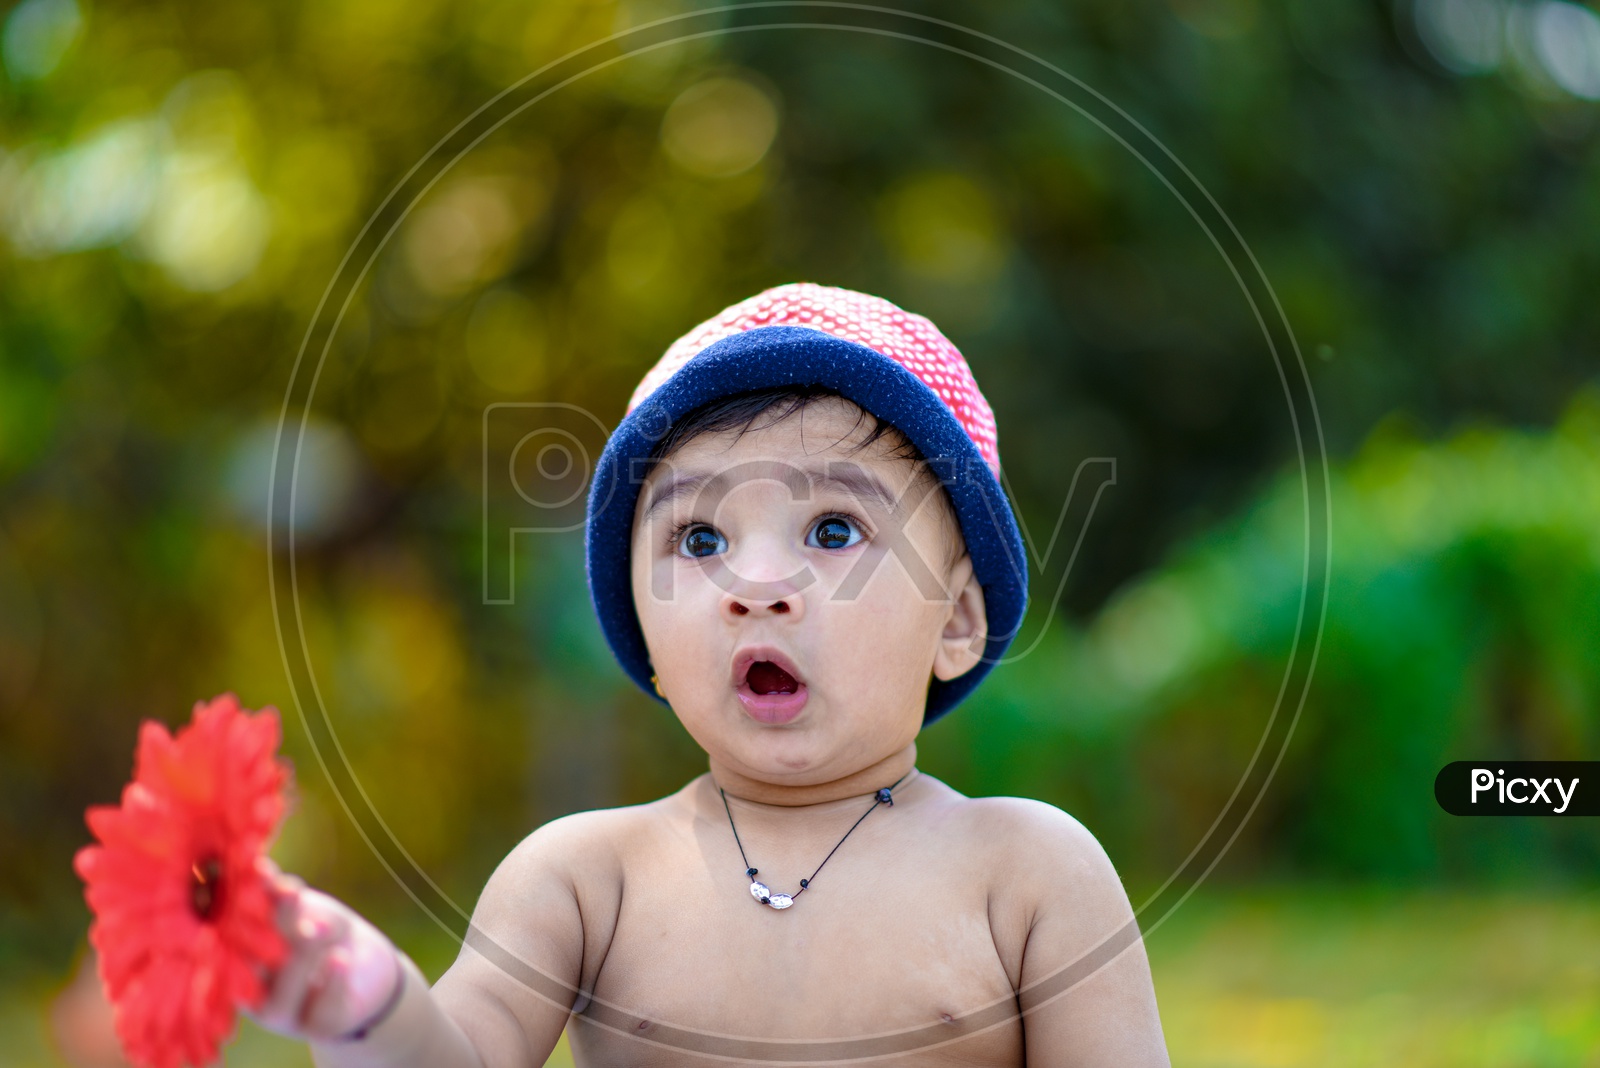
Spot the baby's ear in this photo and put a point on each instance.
(966, 629)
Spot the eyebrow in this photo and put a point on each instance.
(848, 477)
(676, 486)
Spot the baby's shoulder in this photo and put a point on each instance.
(1036, 872)
(1031, 847)
(572, 872)
(587, 846)
(1006, 823)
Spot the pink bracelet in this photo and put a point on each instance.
(384, 1013)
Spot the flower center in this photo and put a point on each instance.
(205, 886)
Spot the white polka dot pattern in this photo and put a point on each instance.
(910, 340)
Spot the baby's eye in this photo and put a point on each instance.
(702, 541)
(834, 532)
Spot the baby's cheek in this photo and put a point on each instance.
(891, 608)
(658, 592)
(687, 644)
(878, 642)
(656, 582)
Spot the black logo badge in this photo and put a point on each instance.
(1519, 788)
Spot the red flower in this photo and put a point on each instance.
(183, 913)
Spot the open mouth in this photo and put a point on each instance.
(765, 677)
(768, 685)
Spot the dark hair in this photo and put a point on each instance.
(742, 411)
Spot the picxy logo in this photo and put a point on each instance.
(1484, 779)
(1518, 788)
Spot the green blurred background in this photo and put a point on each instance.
(1419, 179)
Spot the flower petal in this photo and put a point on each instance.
(204, 800)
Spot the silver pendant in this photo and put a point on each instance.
(760, 892)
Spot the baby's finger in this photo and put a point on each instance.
(286, 991)
(305, 913)
(279, 881)
(310, 939)
(316, 981)
(354, 985)
(326, 1011)
(286, 913)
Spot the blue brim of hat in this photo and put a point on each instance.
(790, 355)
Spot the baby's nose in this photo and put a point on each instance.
(745, 606)
(746, 598)
(763, 576)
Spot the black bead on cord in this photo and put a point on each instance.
(884, 796)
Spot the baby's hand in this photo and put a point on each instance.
(341, 975)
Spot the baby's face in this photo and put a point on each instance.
(797, 595)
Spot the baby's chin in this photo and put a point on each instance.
(811, 749)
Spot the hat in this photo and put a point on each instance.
(890, 362)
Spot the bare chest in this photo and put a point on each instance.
(890, 958)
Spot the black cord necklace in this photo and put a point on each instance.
(759, 891)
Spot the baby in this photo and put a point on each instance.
(797, 540)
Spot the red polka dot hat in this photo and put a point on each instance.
(893, 363)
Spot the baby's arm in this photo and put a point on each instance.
(346, 987)
(359, 1001)
(1086, 990)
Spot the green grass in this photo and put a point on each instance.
(1301, 977)
(1282, 977)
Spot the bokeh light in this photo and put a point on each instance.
(1567, 37)
(719, 127)
(1466, 36)
(37, 35)
(1555, 42)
